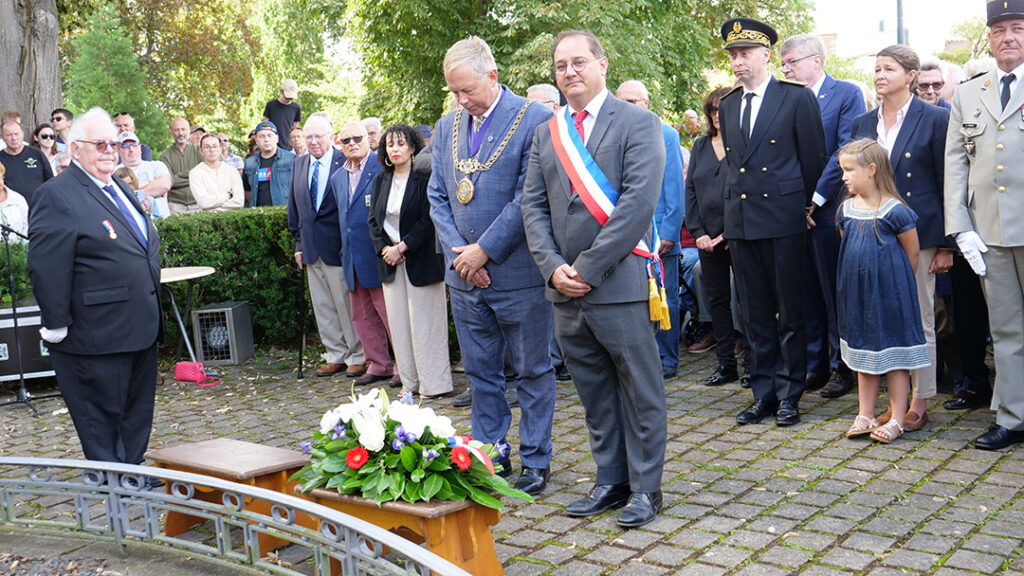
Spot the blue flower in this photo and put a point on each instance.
(405, 437)
(397, 444)
(307, 447)
(430, 454)
(408, 399)
(338, 432)
(503, 448)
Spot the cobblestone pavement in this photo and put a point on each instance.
(748, 501)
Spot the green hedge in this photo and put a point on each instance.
(22, 285)
(252, 252)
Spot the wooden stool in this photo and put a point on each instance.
(242, 462)
(459, 532)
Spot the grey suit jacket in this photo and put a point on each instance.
(983, 188)
(626, 144)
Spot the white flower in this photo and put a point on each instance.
(329, 420)
(370, 427)
(412, 418)
(441, 427)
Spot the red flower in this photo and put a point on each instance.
(461, 458)
(356, 457)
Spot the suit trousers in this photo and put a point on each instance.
(418, 317)
(668, 340)
(716, 274)
(370, 317)
(770, 277)
(110, 398)
(821, 316)
(329, 294)
(611, 353)
(969, 330)
(1004, 290)
(923, 380)
(489, 322)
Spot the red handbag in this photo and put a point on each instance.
(194, 372)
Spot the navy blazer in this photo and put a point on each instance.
(669, 214)
(103, 285)
(918, 164)
(423, 264)
(841, 103)
(316, 234)
(493, 218)
(358, 257)
(771, 178)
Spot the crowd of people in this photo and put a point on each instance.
(825, 244)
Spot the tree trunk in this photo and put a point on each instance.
(30, 77)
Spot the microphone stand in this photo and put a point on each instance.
(23, 395)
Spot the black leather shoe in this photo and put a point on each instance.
(838, 385)
(973, 401)
(757, 411)
(721, 376)
(745, 381)
(562, 374)
(815, 380)
(787, 414)
(463, 400)
(601, 497)
(668, 372)
(506, 465)
(532, 480)
(641, 509)
(998, 438)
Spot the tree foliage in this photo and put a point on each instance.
(665, 43)
(974, 33)
(106, 73)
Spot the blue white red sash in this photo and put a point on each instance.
(589, 181)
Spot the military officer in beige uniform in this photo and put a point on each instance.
(985, 209)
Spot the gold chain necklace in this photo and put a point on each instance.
(469, 166)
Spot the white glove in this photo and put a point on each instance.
(53, 336)
(972, 247)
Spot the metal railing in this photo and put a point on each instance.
(109, 501)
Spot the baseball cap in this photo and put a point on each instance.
(289, 88)
(265, 125)
(127, 137)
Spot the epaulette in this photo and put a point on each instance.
(734, 88)
(975, 77)
(793, 82)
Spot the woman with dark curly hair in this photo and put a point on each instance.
(410, 268)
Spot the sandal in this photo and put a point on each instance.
(915, 421)
(885, 417)
(886, 434)
(862, 426)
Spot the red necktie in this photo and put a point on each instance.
(578, 122)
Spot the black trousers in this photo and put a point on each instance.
(715, 272)
(970, 328)
(110, 398)
(769, 274)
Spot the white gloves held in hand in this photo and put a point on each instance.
(972, 247)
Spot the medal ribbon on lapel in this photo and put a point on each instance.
(600, 198)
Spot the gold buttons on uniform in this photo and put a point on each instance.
(908, 194)
(743, 196)
(764, 169)
(908, 174)
(1002, 127)
(743, 170)
(907, 155)
(999, 146)
(765, 195)
(999, 168)
(1002, 188)
(771, 141)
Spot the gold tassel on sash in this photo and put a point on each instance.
(666, 316)
(653, 301)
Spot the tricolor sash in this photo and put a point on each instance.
(600, 198)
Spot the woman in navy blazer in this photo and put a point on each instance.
(914, 133)
(411, 270)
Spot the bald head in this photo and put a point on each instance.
(179, 131)
(634, 92)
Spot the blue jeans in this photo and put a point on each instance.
(668, 340)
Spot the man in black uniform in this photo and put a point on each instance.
(775, 153)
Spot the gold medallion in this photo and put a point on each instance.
(464, 191)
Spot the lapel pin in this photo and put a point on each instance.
(110, 229)
(987, 82)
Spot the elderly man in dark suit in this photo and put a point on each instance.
(94, 261)
(775, 154)
(803, 60)
(351, 187)
(313, 220)
(596, 276)
(497, 295)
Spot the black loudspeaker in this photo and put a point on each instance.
(35, 355)
(223, 333)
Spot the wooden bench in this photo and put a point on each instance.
(459, 532)
(237, 461)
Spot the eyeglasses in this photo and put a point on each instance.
(935, 86)
(356, 139)
(47, 136)
(130, 144)
(102, 146)
(789, 63)
(579, 65)
(223, 139)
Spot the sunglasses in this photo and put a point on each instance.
(47, 136)
(936, 86)
(56, 119)
(223, 139)
(356, 139)
(103, 146)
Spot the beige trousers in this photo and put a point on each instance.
(1003, 282)
(418, 316)
(923, 379)
(329, 294)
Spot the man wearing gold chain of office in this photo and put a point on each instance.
(480, 153)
